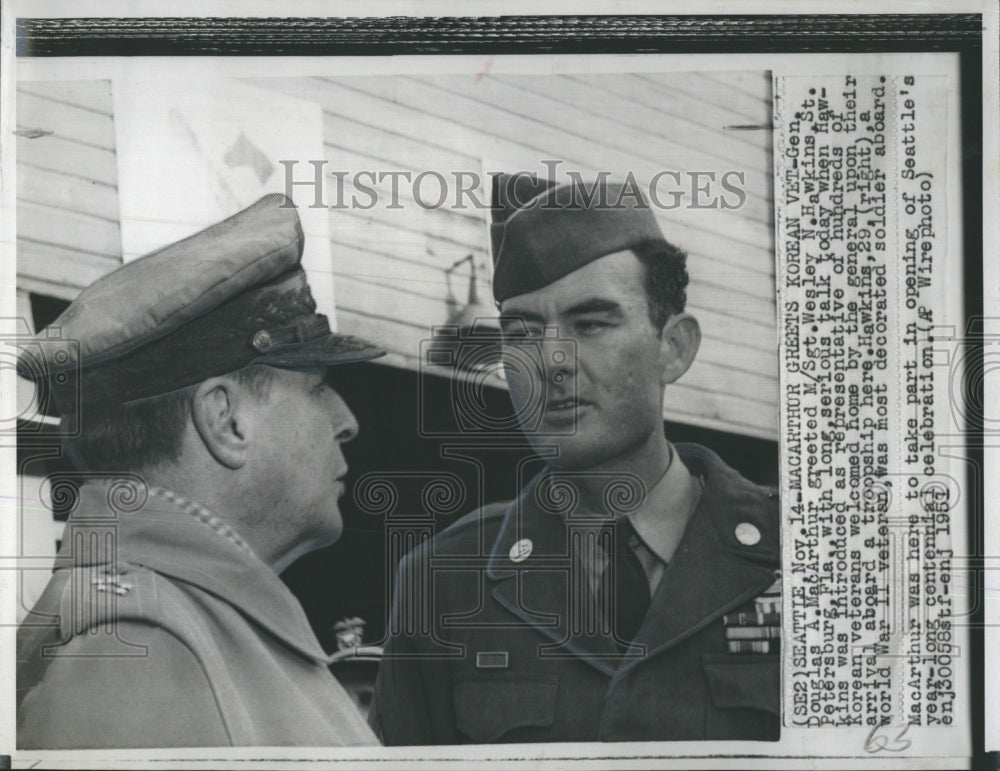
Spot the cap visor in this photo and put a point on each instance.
(324, 352)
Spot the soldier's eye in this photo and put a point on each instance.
(589, 326)
(521, 332)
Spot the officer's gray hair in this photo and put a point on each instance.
(142, 434)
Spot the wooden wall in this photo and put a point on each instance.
(389, 263)
(67, 186)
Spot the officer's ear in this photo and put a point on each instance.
(216, 413)
(679, 343)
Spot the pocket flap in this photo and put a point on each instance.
(743, 681)
(488, 706)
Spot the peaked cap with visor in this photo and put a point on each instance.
(232, 295)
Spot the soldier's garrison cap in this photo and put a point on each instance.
(541, 231)
(229, 296)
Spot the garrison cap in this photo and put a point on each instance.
(541, 231)
(229, 296)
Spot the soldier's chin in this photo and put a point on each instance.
(574, 455)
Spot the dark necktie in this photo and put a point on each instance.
(631, 587)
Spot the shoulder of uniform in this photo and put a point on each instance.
(745, 514)
(484, 514)
(98, 595)
(465, 534)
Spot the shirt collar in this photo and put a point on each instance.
(662, 517)
(169, 534)
(202, 514)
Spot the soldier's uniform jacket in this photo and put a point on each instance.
(498, 660)
(161, 628)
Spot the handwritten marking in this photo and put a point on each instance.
(878, 741)
(486, 70)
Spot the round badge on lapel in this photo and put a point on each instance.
(747, 534)
(521, 550)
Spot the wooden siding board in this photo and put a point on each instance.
(347, 96)
(92, 95)
(69, 229)
(667, 121)
(398, 234)
(388, 140)
(746, 250)
(67, 201)
(69, 157)
(466, 226)
(62, 266)
(65, 120)
(750, 104)
(381, 104)
(737, 357)
(730, 302)
(479, 112)
(66, 192)
(734, 239)
(363, 263)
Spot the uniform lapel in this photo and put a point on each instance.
(711, 572)
(544, 589)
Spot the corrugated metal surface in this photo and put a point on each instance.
(390, 262)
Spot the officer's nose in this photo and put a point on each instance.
(345, 425)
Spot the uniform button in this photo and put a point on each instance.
(747, 534)
(262, 341)
(521, 550)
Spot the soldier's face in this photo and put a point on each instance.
(304, 424)
(606, 406)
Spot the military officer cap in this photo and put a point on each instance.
(542, 231)
(232, 295)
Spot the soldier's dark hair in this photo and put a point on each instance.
(142, 434)
(666, 279)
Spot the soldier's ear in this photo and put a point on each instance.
(679, 343)
(216, 413)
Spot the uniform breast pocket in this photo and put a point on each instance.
(744, 696)
(504, 706)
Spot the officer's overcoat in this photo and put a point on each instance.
(499, 659)
(157, 630)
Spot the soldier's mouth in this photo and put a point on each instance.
(567, 409)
